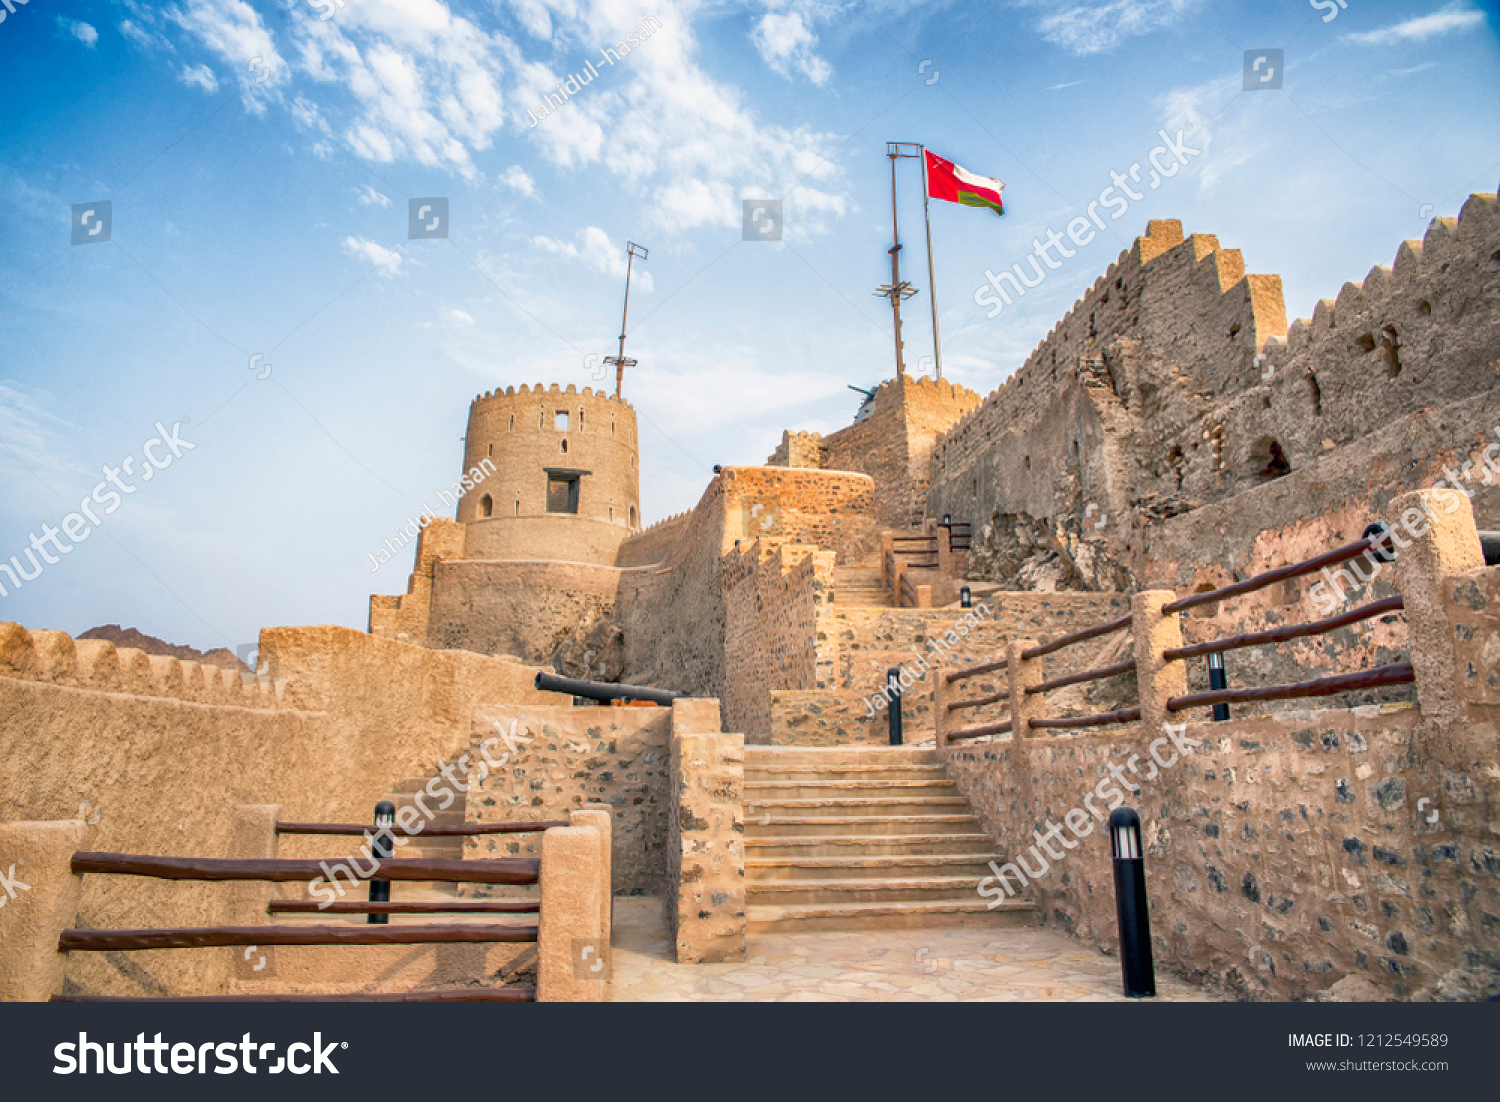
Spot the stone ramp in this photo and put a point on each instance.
(863, 838)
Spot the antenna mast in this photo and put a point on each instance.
(897, 290)
(620, 361)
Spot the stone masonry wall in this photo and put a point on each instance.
(1175, 387)
(705, 900)
(775, 591)
(567, 757)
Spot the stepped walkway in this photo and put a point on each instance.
(862, 838)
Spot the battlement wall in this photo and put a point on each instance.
(1175, 384)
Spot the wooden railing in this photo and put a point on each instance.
(506, 871)
(960, 534)
(906, 596)
(1399, 673)
(1083, 635)
(979, 730)
(1378, 543)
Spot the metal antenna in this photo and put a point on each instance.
(897, 290)
(621, 362)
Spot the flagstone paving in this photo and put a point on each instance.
(1021, 964)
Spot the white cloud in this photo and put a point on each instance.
(233, 30)
(1070, 84)
(1455, 17)
(79, 30)
(145, 39)
(595, 250)
(199, 76)
(370, 197)
(786, 43)
(422, 84)
(460, 317)
(361, 248)
(517, 178)
(1084, 29)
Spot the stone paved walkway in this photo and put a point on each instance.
(998, 965)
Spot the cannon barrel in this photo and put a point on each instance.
(603, 690)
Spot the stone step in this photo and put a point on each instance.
(947, 913)
(874, 807)
(873, 774)
(841, 825)
(773, 846)
(903, 889)
(801, 788)
(974, 864)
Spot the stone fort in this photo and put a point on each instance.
(1020, 557)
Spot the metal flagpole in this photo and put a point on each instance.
(937, 352)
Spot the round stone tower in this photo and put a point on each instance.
(566, 478)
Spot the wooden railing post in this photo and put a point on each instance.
(601, 818)
(1448, 545)
(944, 552)
(1158, 679)
(571, 957)
(887, 548)
(253, 835)
(40, 899)
(1023, 674)
(942, 693)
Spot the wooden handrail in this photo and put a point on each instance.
(1094, 632)
(435, 995)
(980, 701)
(431, 830)
(1087, 675)
(456, 906)
(980, 731)
(503, 870)
(1399, 673)
(975, 671)
(204, 937)
(1280, 574)
(1281, 635)
(914, 539)
(1125, 715)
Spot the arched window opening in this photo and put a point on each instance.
(486, 506)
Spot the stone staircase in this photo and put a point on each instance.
(858, 586)
(863, 838)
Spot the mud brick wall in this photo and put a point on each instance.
(705, 897)
(576, 756)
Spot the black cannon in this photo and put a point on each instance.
(604, 690)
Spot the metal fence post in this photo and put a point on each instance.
(893, 688)
(1136, 970)
(383, 845)
(1218, 680)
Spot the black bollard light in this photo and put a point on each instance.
(965, 598)
(1136, 970)
(893, 711)
(384, 845)
(1216, 681)
(947, 520)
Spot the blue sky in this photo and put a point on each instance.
(259, 160)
